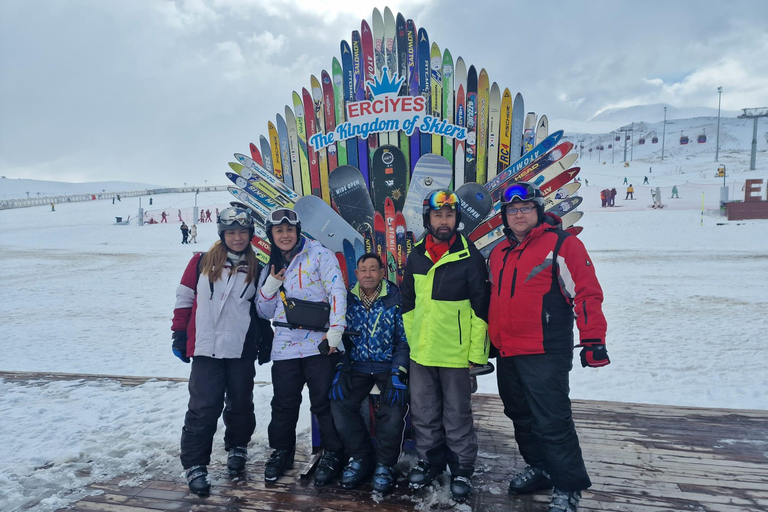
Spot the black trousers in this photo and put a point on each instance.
(216, 384)
(534, 390)
(390, 421)
(288, 379)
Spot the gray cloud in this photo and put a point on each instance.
(165, 92)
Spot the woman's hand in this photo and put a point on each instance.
(280, 276)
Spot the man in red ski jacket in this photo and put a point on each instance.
(541, 277)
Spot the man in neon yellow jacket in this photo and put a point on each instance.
(445, 314)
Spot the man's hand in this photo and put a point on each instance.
(179, 345)
(593, 354)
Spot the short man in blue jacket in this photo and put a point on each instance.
(378, 356)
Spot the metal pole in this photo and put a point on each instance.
(613, 144)
(754, 146)
(717, 144)
(664, 134)
(632, 143)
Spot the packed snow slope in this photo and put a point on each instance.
(684, 300)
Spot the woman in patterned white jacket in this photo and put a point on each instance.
(307, 271)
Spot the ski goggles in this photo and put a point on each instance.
(521, 191)
(232, 216)
(280, 215)
(440, 198)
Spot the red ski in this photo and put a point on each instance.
(314, 164)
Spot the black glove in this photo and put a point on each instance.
(265, 344)
(593, 354)
(179, 345)
(340, 385)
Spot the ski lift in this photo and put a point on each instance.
(702, 138)
(641, 141)
(618, 138)
(683, 140)
(610, 146)
(590, 150)
(627, 137)
(601, 148)
(655, 140)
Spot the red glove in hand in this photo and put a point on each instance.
(593, 354)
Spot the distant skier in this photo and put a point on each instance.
(53, 208)
(193, 234)
(586, 182)
(630, 192)
(650, 169)
(150, 201)
(645, 180)
(118, 197)
(612, 197)
(625, 181)
(208, 216)
(202, 216)
(184, 233)
(603, 197)
(674, 192)
(180, 219)
(164, 218)
(113, 200)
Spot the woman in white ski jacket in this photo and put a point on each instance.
(215, 323)
(305, 270)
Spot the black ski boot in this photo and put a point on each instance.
(278, 462)
(383, 479)
(236, 459)
(530, 480)
(422, 474)
(564, 501)
(461, 486)
(197, 480)
(356, 471)
(329, 466)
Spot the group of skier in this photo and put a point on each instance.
(416, 344)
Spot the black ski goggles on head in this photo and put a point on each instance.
(280, 215)
(519, 191)
(440, 198)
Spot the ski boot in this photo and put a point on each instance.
(422, 474)
(461, 486)
(236, 459)
(328, 467)
(530, 480)
(278, 462)
(383, 479)
(564, 501)
(197, 480)
(356, 471)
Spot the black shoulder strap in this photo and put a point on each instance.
(199, 264)
(561, 236)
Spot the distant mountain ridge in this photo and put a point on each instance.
(18, 188)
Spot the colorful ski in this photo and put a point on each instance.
(566, 205)
(448, 102)
(369, 70)
(505, 133)
(425, 87)
(401, 42)
(470, 148)
(569, 219)
(255, 154)
(293, 150)
(390, 61)
(350, 195)
(329, 114)
(266, 194)
(274, 142)
(459, 158)
(494, 117)
(379, 235)
(413, 87)
(261, 173)
(542, 129)
(348, 87)
(483, 106)
(266, 154)
(310, 122)
(322, 155)
(518, 121)
(359, 80)
(301, 130)
(529, 132)
(390, 226)
(400, 241)
(338, 114)
(351, 261)
(436, 93)
(285, 151)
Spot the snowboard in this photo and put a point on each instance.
(389, 174)
(431, 172)
(323, 224)
(350, 195)
(476, 203)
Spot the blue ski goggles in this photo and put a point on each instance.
(521, 191)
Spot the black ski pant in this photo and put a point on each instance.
(288, 379)
(534, 390)
(216, 384)
(390, 420)
(441, 416)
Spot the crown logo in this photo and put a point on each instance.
(385, 86)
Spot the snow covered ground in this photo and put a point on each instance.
(685, 304)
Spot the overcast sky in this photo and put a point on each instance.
(165, 91)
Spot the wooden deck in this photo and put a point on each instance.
(641, 458)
